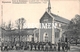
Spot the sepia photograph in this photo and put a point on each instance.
(39, 25)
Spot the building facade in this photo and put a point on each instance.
(16, 36)
(55, 33)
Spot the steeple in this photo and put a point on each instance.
(49, 6)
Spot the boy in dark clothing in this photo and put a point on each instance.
(59, 45)
(35, 46)
(31, 46)
(42, 47)
(38, 47)
(63, 45)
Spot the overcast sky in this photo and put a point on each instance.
(33, 12)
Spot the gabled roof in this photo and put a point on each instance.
(57, 18)
(60, 19)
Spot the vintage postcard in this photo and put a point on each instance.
(39, 25)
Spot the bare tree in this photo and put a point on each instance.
(20, 23)
(9, 26)
(4, 25)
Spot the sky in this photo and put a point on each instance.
(32, 12)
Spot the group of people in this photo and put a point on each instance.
(39, 46)
(65, 46)
(28, 46)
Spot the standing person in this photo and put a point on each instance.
(28, 46)
(63, 45)
(46, 47)
(42, 46)
(2, 48)
(68, 45)
(59, 45)
(14, 47)
(55, 46)
(51, 47)
(35, 46)
(38, 46)
(31, 46)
